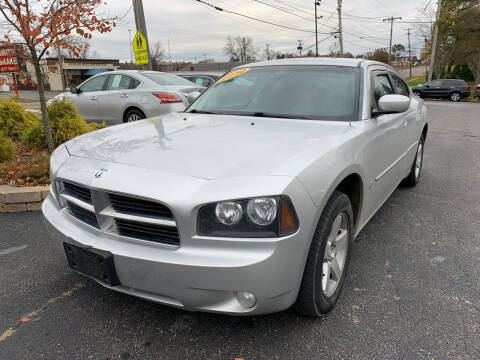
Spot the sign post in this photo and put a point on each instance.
(9, 64)
(140, 49)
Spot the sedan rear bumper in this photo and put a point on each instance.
(206, 277)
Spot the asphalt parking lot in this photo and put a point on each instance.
(412, 292)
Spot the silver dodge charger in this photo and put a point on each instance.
(249, 201)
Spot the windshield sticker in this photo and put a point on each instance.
(233, 74)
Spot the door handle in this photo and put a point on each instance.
(404, 123)
(94, 98)
(124, 96)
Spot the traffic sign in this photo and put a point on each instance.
(140, 49)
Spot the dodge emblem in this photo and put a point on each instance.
(100, 172)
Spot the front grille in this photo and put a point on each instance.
(139, 207)
(120, 214)
(78, 191)
(82, 214)
(150, 232)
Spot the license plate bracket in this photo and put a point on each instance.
(98, 264)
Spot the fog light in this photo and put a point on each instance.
(246, 299)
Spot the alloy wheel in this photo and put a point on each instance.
(455, 97)
(335, 255)
(133, 117)
(419, 160)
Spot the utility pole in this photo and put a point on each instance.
(409, 52)
(142, 25)
(434, 42)
(340, 31)
(317, 3)
(268, 51)
(392, 19)
(60, 67)
(244, 50)
(300, 47)
(130, 44)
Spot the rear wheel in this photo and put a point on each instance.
(133, 115)
(414, 176)
(328, 258)
(455, 96)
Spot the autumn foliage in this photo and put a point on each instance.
(43, 25)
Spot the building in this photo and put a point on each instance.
(76, 70)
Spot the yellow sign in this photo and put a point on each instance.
(140, 49)
(233, 74)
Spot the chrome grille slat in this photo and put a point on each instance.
(119, 214)
(82, 214)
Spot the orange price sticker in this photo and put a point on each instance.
(233, 74)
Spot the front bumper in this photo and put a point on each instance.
(204, 274)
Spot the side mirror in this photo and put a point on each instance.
(74, 90)
(393, 104)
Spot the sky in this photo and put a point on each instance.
(195, 30)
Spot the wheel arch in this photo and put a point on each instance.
(131, 107)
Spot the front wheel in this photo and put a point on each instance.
(417, 93)
(328, 258)
(455, 96)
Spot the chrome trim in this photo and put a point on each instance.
(78, 202)
(384, 172)
(110, 211)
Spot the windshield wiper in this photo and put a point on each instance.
(195, 111)
(280, 116)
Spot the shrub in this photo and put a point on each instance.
(65, 122)
(7, 148)
(14, 119)
(463, 72)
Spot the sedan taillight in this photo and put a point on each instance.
(168, 98)
(467, 88)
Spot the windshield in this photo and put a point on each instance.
(167, 79)
(302, 92)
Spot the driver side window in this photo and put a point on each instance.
(382, 86)
(94, 84)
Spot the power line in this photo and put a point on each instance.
(254, 18)
(293, 7)
(282, 9)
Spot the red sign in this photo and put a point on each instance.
(8, 60)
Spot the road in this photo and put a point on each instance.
(412, 292)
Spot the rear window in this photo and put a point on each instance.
(166, 79)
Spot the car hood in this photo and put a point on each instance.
(213, 146)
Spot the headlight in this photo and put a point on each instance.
(229, 213)
(256, 218)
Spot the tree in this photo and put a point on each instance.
(377, 55)
(397, 48)
(240, 48)
(156, 54)
(45, 25)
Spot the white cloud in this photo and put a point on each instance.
(195, 29)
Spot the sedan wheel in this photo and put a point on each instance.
(335, 255)
(133, 115)
(416, 169)
(455, 96)
(328, 258)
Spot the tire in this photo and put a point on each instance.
(455, 96)
(417, 93)
(319, 294)
(133, 115)
(416, 170)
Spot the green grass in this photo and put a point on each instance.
(416, 81)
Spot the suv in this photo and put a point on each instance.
(453, 89)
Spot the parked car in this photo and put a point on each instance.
(248, 202)
(453, 89)
(130, 95)
(205, 79)
(477, 91)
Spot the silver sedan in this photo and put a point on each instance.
(130, 95)
(248, 202)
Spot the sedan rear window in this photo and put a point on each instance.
(303, 92)
(167, 79)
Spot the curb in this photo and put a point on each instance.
(20, 199)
